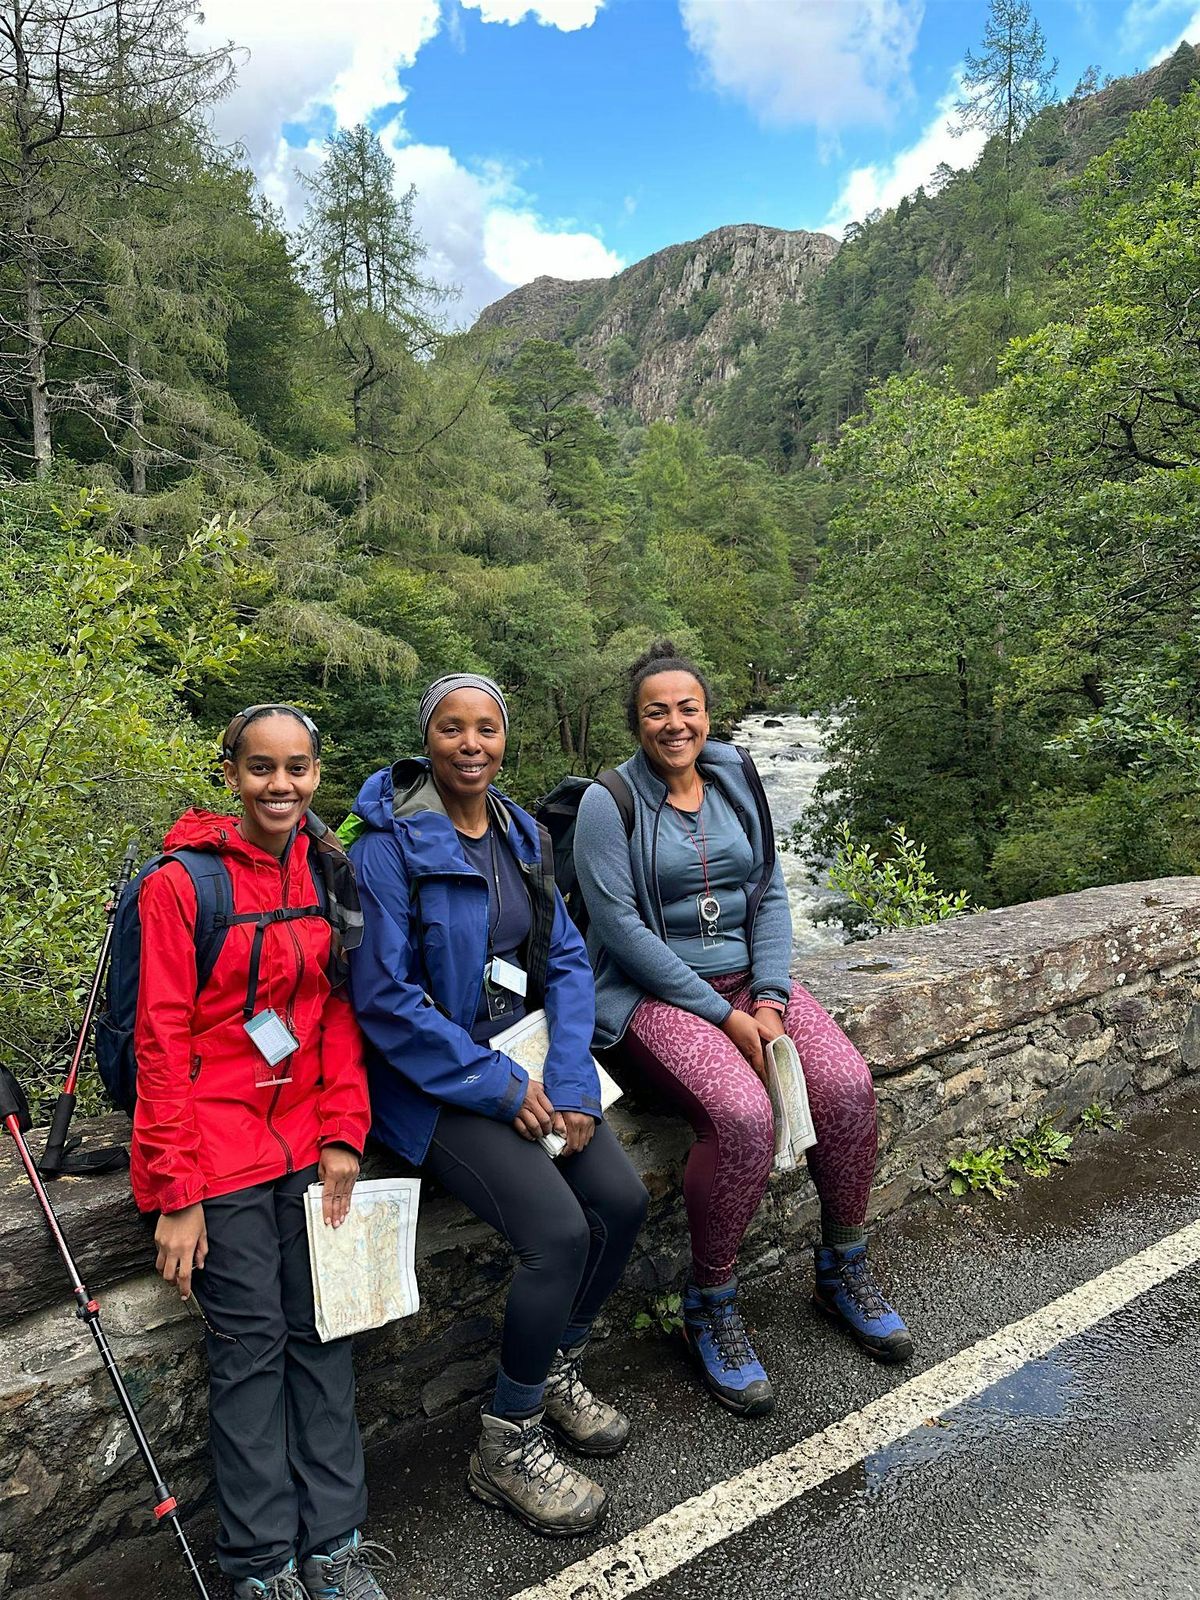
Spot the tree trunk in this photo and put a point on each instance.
(35, 337)
(137, 420)
(566, 737)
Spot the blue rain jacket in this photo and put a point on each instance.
(425, 941)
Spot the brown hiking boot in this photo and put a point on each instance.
(517, 1467)
(582, 1420)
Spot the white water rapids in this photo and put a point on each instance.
(790, 758)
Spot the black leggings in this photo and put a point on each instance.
(572, 1223)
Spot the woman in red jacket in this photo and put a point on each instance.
(233, 1123)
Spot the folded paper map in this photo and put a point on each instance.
(526, 1043)
(364, 1272)
(794, 1131)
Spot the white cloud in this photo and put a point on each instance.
(519, 246)
(321, 65)
(565, 14)
(1190, 31)
(480, 231)
(807, 61)
(304, 55)
(884, 184)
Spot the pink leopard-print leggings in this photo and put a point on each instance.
(698, 1069)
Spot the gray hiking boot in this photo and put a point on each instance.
(345, 1573)
(284, 1585)
(516, 1466)
(582, 1420)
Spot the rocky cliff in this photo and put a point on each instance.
(663, 335)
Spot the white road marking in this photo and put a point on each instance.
(679, 1535)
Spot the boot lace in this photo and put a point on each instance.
(534, 1458)
(861, 1286)
(568, 1385)
(285, 1586)
(352, 1572)
(729, 1335)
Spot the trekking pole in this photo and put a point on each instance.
(63, 1155)
(14, 1113)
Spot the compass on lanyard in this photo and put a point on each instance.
(708, 907)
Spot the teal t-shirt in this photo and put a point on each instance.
(714, 833)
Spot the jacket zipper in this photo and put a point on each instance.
(289, 1019)
(279, 1139)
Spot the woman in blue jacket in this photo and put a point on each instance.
(463, 929)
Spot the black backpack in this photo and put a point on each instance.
(214, 918)
(558, 814)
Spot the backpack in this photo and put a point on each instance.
(558, 814)
(214, 918)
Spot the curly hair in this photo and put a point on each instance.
(662, 656)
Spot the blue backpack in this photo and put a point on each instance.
(214, 918)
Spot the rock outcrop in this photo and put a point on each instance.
(664, 334)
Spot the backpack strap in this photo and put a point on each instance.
(541, 905)
(214, 905)
(622, 794)
(215, 916)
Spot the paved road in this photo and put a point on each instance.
(973, 1474)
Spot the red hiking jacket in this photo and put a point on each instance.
(203, 1124)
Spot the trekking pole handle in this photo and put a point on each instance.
(110, 911)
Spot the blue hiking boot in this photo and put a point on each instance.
(846, 1291)
(715, 1334)
(346, 1573)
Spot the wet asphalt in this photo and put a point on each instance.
(1077, 1476)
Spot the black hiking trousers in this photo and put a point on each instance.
(287, 1457)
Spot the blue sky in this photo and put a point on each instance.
(576, 136)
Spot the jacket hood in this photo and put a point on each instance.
(407, 788)
(210, 830)
(206, 830)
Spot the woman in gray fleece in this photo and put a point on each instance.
(690, 936)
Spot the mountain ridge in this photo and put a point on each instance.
(663, 333)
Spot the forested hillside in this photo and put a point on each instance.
(241, 464)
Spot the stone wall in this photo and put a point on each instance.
(974, 1029)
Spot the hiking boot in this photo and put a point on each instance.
(516, 1466)
(715, 1334)
(846, 1291)
(345, 1573)
(582, 1420)
(284, 1585)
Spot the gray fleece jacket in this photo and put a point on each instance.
(618, 876)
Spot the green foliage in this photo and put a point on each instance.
(1038, 1150)
(1007, 600)
(985, 1170)
(897, 892)
(977, 1170)
(97, 650)
(1098, 1116)
(662, 1317)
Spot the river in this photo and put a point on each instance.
(790, 758)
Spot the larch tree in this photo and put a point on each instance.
(86, 88)
(362, 256)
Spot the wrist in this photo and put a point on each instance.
(767, 1002)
